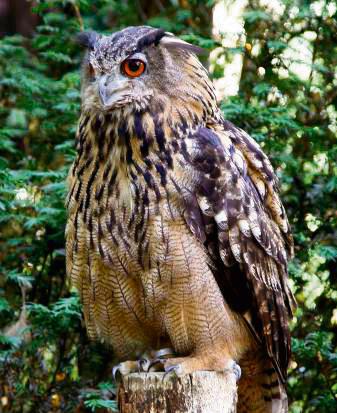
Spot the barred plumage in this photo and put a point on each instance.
(175, 230)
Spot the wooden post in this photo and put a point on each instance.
(200, 392)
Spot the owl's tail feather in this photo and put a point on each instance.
(260, 390)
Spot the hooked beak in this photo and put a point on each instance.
(112, 90)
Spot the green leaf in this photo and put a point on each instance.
(94, 404)
(56, 57)
(252, 16)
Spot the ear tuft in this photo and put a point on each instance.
(151, 38)
(88, 39)
(171, 42)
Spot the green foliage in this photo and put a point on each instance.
(98, 399)
(46, 361)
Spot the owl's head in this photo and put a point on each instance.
(136, 66)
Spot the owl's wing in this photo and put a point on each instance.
(234, 209)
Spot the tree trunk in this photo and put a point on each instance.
(200, 392)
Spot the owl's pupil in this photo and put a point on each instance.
(134, 65)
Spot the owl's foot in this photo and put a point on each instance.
(187, 365)
(145, 364)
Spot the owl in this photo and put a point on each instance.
(176, 237)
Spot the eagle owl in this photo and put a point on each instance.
(176, 236)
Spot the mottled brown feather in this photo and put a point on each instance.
(247, 230)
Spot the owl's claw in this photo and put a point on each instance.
(159, 363)
(130, 366)
(115, 370)
(176, 369)
(143, 365)
(235, 368)
(164, 353)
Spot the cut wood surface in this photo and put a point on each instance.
(200, 392)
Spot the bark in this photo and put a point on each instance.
(200, 392)
(16, 17)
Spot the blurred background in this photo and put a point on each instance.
(274, 67)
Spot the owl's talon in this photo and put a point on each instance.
(235, 368)
(164, 353)
(143, 365)
(159, 362)
(176, 369)
(115, 370)
(130, 366)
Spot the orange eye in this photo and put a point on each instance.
(133, 67)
